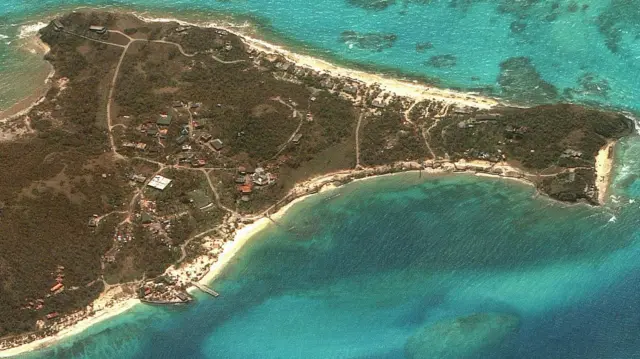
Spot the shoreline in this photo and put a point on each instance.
(414, 89)
(604, 167)
(75, 329)
(324, 183)
(23, 106)
(305, 189)
(301, 192)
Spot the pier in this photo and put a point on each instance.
(205, 289)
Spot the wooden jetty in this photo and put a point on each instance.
(205, 289)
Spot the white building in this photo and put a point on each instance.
(159, 182)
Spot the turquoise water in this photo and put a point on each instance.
(539, 51)
(408, 267)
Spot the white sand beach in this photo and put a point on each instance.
(99, 316)
(604, 165)
(415, 90)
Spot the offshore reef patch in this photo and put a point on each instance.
(369, 41)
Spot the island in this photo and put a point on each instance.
(159, 145)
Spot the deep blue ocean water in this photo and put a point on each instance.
(401, 266)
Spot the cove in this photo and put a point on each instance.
(364, 270)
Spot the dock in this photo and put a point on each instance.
(205, 289)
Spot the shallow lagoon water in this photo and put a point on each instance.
(450, 259)
(478, 261)
(522, 51)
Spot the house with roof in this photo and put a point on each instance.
(164, 120)
(159, 182)
(217, 144)
(181, 139)
(57, 25)
(245, 189)
(98, 29)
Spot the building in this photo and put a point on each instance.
(350, 89)
(137, 178)
(98, 29)
(181, 139)
(217, 144)
(52, 315)
(462, 110)
(241, 179)
(245, 189)
(177, 104)
(260, 177)
(152, 132)
(164, 120)
(378, 102)
(296, 138)
(159, 182)
(198, 162)
(141, 146)
(57, 25)
(205, 137)
(571, 153)
(57, 287)
(200, 199)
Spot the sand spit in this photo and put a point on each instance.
(604, 165)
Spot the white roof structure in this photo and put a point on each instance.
(159, 182)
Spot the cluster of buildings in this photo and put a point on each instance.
(247, 177)
(286, 70)
(163, 290)
(98, 29)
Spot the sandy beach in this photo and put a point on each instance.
(244, 234)
(314, 185)
(77, 328)
(414, 90)
(604, 165)
(34, 45)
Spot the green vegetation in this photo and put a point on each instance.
(229, 108)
